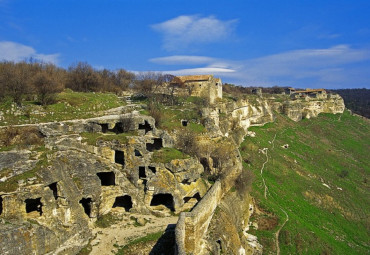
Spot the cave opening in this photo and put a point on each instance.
(104, 128)
(119, 157)
(86, 204)
(196, 196)
(1, 205)
(118, 128)
(137, 153)
(54, 188)
(146, 126)
(163, 199)
(205, 164)
(156, 145)
(153, 169)
(184, 123)
(123, 201)
(107, 178)
(186, 182)
(33, 205)
(142, 173)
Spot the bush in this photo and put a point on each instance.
(243, 183)
(187, 142)
(156, 112)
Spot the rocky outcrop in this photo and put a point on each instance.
(51, 195)
(307, 108)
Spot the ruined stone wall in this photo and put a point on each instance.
(192, 226)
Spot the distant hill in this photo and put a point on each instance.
(357, 100)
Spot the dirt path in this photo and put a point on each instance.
(278, 232)
(265, 151)
(125, 231)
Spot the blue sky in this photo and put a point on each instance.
(299, 43)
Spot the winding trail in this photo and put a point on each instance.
(264, 151)
(278, 232)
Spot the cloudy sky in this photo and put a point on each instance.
(298, 43)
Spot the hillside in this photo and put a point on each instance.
(316, 174)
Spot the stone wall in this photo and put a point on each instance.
(192, 226)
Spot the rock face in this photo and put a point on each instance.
(51, 197)
(308, 108)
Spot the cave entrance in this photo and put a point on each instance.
(54, 188)
(156, 145)
(118, 128)
(153, 169)
(205, 164)
(137, 153)
(142, 174)
(119, 157)
(33, 205)
(1, 205)
(146, 126)
(123, 201)
(196, 196)
(104, 128)
(86, 204)
(107, 178)
(163, 199)
(184, 123)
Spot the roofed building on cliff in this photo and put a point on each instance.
(312, 93)
(206, 86)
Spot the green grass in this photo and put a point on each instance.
(106, 220)
(69, 105)
(165, 155)
(321, 220)
(147, 238)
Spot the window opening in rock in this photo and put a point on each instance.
(196, 196)
(219, 244)
(205, 164)
(184, 123)
(146, 126)
(186, 182)
(119, 157)
(163, 199)
(137, 153)
(54, 188)
(118, 128)
(142, 173)
(33, 205)
(104, 128)
(107, 178)
(156, 145)
(1, 205)
(86, 204)
(123, 201)
(152, 168)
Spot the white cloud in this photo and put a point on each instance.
(331, 67)
(11, 51)
(184, 30)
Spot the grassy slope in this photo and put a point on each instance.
(322, 220)
(69, 105)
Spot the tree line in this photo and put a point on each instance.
(30, 80)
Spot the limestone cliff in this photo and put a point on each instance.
(53, 191)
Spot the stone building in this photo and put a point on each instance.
(311, 93)
(205, 86)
